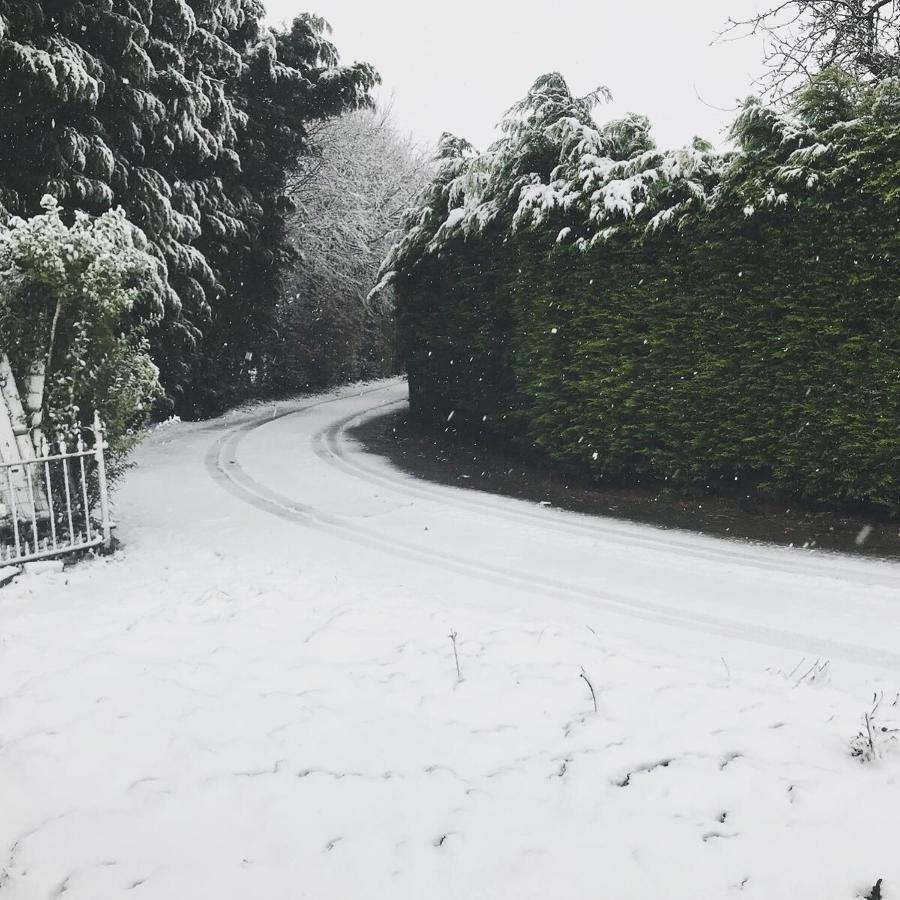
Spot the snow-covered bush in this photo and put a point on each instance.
(873, 740)
(75, 301)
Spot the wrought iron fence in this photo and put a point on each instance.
(56, 502)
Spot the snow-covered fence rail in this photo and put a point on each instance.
(56, 502)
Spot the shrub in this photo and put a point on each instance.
(74, 306)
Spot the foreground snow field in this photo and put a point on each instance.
(258, 696)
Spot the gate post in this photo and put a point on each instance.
(99, 446)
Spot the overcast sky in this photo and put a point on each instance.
(456, 66)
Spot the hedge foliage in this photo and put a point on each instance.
(698, 319)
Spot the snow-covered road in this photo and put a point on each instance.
(258, 697)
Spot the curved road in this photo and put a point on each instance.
(257, 697)
(299, 464)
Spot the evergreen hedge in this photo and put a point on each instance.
(753, 344)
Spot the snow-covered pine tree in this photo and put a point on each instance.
(291, 79)
(197, 49)
(105, 103)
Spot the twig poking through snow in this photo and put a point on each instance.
(873, 750)
(588, 683)
(794, 670)
(871, 744)
(727, 670)
(818, 672)
(455, 654)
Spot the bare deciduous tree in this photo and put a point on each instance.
(806, 36)
(350, 198)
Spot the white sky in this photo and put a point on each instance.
(456, 66)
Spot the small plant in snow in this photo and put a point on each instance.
(587, 681)
(875, 893)
(452, 637)
(873, 740)
(816, 673)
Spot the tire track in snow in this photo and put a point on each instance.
(222, 465)
(333, 446)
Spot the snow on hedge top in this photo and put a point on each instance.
(554, 162)
(555, 168)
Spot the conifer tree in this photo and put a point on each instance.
(291, 79)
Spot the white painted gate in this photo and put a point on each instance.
(53, 501)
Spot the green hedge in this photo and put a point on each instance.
(743, 350)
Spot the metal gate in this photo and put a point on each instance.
(56, 502)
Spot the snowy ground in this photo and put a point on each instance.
(258, 697)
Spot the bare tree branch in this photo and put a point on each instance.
(804, 37)
(349, 199)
